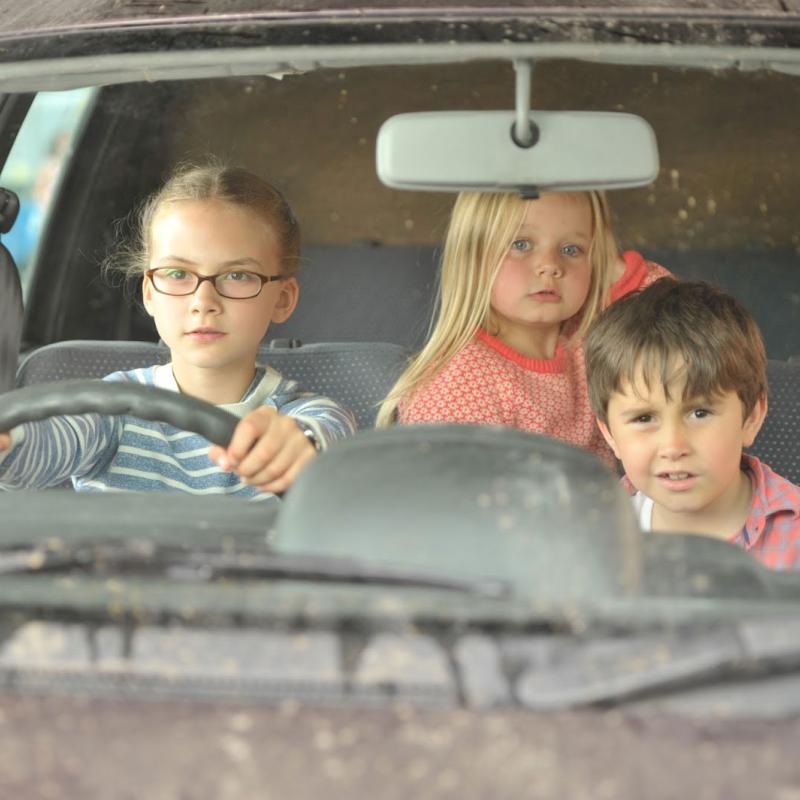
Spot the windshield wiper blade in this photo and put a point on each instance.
(141, 556)
(647, 665)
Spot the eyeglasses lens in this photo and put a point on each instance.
(237, 285)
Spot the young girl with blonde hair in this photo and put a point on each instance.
(521, 281)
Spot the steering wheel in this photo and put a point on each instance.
(188, 413)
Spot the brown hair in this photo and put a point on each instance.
(214, 181)
(713, 334)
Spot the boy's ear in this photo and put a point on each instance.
(608, 437)
(752, 425)
(287, 300)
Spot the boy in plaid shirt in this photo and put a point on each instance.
(677, 380)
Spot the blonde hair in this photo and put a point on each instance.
(212, 180)
(481, 229)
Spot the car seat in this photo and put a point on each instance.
(778, 442)
(357, 375)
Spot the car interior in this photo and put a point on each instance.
(719, 209)
(370, 249)
(470, 534)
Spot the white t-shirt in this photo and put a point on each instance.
(643, 505)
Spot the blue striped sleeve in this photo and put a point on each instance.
(327, 419)
(49, 452)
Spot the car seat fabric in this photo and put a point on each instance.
(73, 360)
(393, 288)
(357, 375)
(778, 442)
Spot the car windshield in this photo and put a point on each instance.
(444, 568)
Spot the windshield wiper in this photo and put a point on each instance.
(138, 556)
(609, 670)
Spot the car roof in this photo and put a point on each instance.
(116, 41)
(73, 16)
(74, 13)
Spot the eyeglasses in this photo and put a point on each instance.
(236, 285)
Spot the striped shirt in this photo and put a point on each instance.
(125, 453)
(771, 531)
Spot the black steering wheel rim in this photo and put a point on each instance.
(57, 398)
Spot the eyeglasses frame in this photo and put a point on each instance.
(212, 279)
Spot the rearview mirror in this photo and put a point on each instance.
(455, 151)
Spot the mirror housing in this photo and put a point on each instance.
(454, 151)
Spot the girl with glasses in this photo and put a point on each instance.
(217, 255)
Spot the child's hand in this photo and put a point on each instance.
(5, 441)
(267, 450)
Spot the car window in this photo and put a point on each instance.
(35, 165)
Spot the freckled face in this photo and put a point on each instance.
(545, 276)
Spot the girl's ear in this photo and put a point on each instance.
(147, 294)
(752, 425)
(287, 300)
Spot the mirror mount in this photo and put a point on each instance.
(528, 192)
(524, 132)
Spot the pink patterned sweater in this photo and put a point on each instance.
(489, 383)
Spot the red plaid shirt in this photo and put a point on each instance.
(771, 532)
